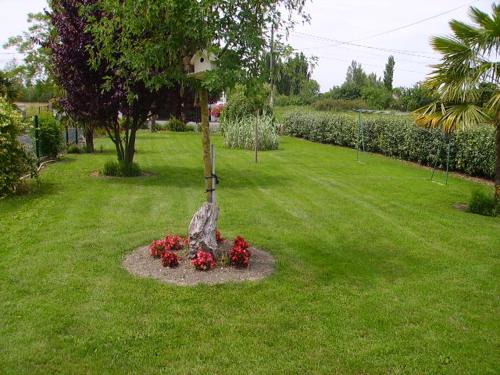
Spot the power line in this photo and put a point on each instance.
(414, 23)
(374, 65)
(339, 42)
(413, 53)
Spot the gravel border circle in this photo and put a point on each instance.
(140, 263)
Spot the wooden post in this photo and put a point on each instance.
(256, 138)
(214, 180)
(205, 130)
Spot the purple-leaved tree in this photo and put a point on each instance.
(84, 100)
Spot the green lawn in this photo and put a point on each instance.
(376, 271)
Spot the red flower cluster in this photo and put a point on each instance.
(156, 248)
(217, 110)
(218, 236)
(169, 259)
(169, 243)
(240, 255)
(173, 243)
(204, 261)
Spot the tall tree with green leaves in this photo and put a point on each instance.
(151, 42)
(389, 73)
(34, 73)
(464, 78)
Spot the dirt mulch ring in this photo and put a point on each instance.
(140, 263)
(98, 174)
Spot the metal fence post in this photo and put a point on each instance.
(37, 139)
(76, 135)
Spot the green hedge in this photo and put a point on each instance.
(472, 151)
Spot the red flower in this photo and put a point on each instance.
(204, 261)
(239, 255)
(173, 243)
(169, 259)
(218, 236)
(240, 242)
(169, 243)
(156, 248)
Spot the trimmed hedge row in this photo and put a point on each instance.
(471, 152)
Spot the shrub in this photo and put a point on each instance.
(472, 151)
(330, 104)
(241, 133)
(204, 261)
(483, 203)
(169, 259)
(121, 169)
(239, 254)
(15, 161)
(176, 125)
(50, 135)
(243, 104)
(73, 149)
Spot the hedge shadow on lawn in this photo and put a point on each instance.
(177, 176)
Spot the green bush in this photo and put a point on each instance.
(15, 161)
(330, 104)
(483, 203)
(242, 104)
(73, 149)
(471, 151)
(50, 135)
(176, 125)
(120, 169)
(241, 133)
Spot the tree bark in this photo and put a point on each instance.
(205, 128)
(130, 147)
(497, 164)
(89, 139)
(202, 230)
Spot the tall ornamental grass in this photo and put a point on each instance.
(240, 133)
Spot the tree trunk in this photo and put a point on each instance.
(497, 164)
(205, 128)
(89, 139)
(202, 230)
(130, 147)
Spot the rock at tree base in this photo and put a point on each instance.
(202, 230)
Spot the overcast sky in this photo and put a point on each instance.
(355, 21)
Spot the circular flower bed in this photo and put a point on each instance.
(167, 260)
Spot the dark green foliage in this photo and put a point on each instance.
(483, 203)
(15, 162)
(412, 98)
(472, 151)
(121, 169)
(389, 73)
(50, 135)
(176, 125)
(243, 103)
(73, 149)
(331, 104)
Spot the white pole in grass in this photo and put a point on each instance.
(214, 180)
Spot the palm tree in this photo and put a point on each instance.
(467, 78)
